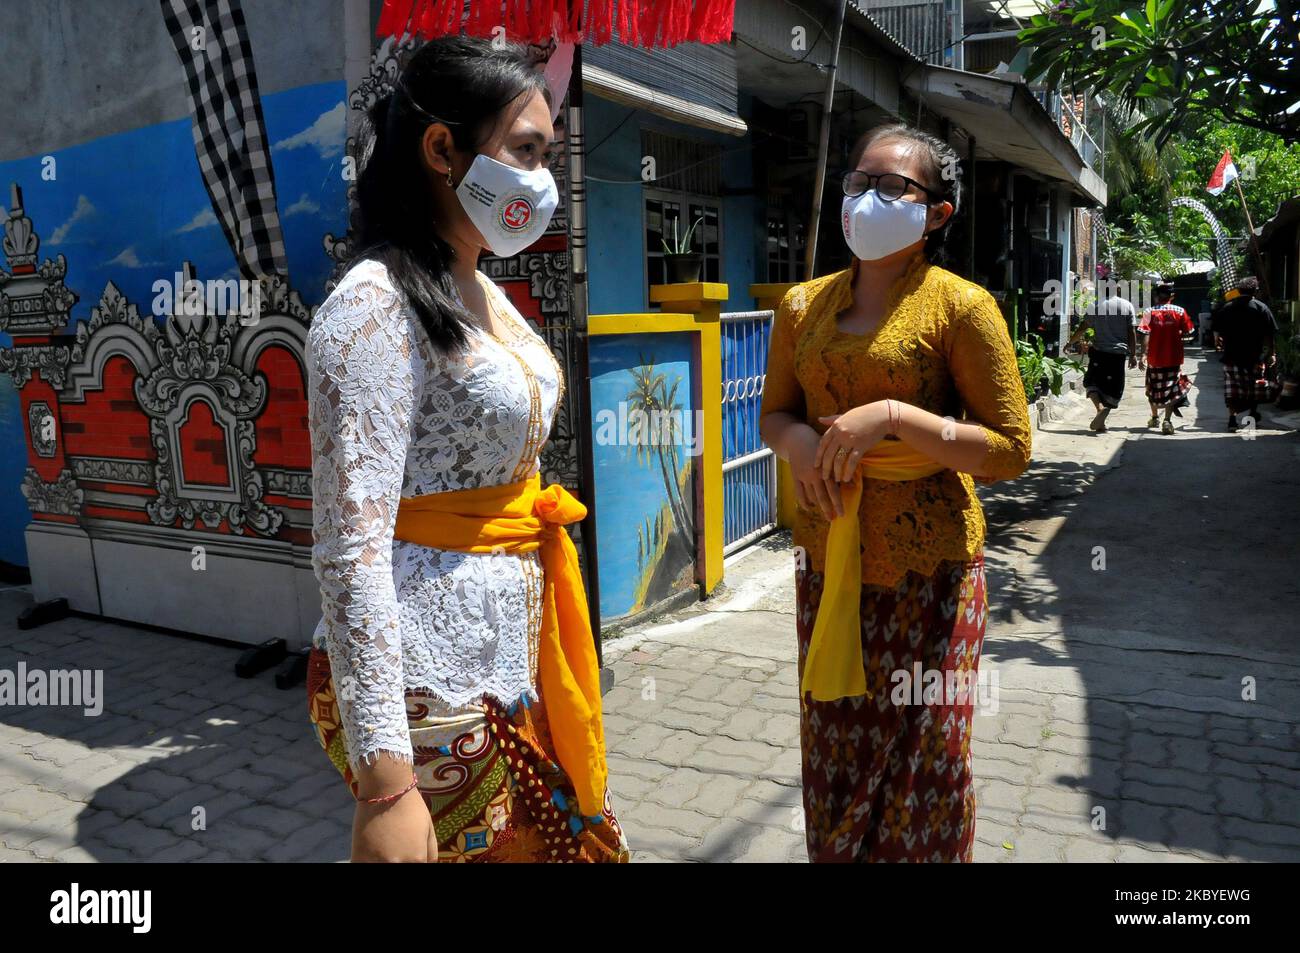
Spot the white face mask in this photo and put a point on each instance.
(510, 207)
(875, 228)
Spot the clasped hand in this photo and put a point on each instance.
(847, 439)
(818, 465)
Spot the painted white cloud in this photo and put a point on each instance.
(304, 206)
(127, 258)
(326, 134)
(205, 219)
(84, 208)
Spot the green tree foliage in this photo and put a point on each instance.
(1269, 167)
(1142, 180)
(1178, 61)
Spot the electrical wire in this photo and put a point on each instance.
(630, 113)
(782, 59)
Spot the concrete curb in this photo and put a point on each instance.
(1052, 409)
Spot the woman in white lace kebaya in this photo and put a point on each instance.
(449, 682)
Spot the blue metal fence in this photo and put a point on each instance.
(748, 467)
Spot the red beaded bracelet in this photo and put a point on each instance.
(391, 797)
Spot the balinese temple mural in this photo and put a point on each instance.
(168, 466)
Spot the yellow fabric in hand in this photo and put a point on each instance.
(834, 667)
(520, 518)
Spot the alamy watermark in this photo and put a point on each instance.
(922, 686)
(1084, 297)
(76, 688)
(632, 426)
(133, 908)
(192, 297)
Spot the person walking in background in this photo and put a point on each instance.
(1244, 328)
(1114, 341)
(1166, 324)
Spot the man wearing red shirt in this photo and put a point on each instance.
(1166, 324)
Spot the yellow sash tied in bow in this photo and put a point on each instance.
(834, 668)
(521, 518)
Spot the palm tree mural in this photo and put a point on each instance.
(652, 396)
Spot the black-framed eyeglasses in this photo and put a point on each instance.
(890, 186)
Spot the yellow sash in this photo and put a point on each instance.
(834, 667)
(523, 518)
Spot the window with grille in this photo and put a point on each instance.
(683, 165)
(785, 247)
(685, 190)
(668, 216)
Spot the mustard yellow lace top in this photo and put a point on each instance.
(944, 346)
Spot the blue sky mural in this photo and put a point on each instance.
(131, 207)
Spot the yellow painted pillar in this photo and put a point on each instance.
(769, 297)
(703, 300)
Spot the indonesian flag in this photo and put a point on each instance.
(1224, 173)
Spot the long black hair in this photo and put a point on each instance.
(942, 176)
(464, 82)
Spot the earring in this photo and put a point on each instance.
(450, 183)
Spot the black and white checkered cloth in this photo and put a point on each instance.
(211, 39)
(1241, 389)
(1163, 386)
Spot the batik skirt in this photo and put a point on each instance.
(1104, 377)
(494, 790)
(886, 778)
(1164, 386)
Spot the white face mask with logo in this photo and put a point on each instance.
(874, 228)
(510, 207)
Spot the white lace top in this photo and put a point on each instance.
(392, 416)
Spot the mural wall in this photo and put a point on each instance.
(645, 431)
(168, 164)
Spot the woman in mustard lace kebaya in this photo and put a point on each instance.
(891, 385)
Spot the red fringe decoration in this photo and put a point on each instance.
(646, 23)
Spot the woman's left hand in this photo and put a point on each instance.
(853, 433)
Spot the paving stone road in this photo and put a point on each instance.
(1121, 733)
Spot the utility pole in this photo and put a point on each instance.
(823, 147)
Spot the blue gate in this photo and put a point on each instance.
(748, 467)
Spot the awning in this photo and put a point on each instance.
(619, 89)
(1008, 123)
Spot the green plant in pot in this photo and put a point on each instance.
(1039, 373)
(683, 263)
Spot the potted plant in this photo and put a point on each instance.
(683, 264)
(1040, 373)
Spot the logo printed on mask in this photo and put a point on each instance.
(510, 207)
(517, 213)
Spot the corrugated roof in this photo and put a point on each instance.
(878, 33)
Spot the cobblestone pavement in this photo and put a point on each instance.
(1121, 732)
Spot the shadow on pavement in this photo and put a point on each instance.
(181, 745)
(1196, 602)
